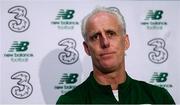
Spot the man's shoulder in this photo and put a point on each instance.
(158, 93)
(75, 95)
(80, 89)
(148, 86)
(151, 92)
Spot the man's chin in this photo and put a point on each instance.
(107, 64)
(108, 69)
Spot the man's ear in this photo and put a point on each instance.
(86, 49)
(126, 40)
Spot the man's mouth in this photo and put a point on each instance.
(106, 54)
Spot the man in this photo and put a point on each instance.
(106, 41)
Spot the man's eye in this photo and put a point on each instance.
(95, 37)
(111, 34)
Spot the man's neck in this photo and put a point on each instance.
(114, 78)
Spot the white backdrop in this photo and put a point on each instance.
(42, 56)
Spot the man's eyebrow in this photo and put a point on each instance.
(110, 30)
(94, 33)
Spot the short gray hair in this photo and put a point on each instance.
(111, 10)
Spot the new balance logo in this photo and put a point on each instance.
(65, 14)
(161, 77)
(154, 15)
(19, 46)
(69, 79)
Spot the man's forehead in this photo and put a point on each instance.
(101, 14)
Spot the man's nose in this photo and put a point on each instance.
(104, 41)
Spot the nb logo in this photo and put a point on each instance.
(154, 15)
(161, 77)
(19, 47)
(65, 14)
(69, 79)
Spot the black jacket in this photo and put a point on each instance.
(130, 92)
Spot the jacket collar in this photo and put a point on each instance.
(123, 87)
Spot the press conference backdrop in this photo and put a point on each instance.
(42, 56)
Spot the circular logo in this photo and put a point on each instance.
(23, 89)
(20, 23)
(115, 9)
(159, 54)
(69, 55)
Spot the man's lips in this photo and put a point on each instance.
(107, 53)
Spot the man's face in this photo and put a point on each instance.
(105, 43)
